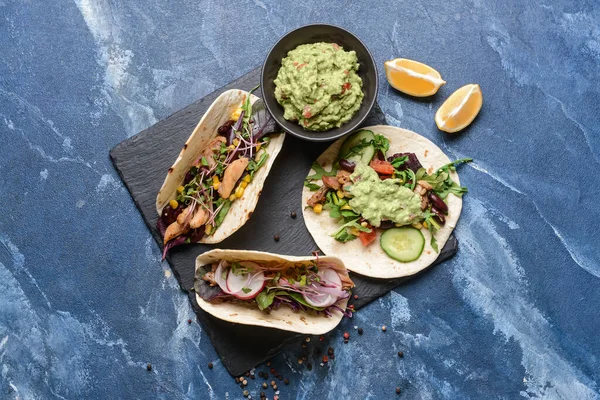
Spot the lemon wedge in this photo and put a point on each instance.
(412, 77)
(460, 109)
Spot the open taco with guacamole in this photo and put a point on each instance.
(299, 294)
(214, 185)
(383, 184)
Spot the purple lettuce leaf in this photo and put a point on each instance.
(235, 127)
(179, 240)
(202, 287)
(263, 122)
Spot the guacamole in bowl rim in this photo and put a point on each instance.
(314, 34)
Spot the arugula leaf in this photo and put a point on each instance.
(204, 161)
(254, 165)
(441, 181)
(452, 166)
(356, 149)
(455, 189)
(352, 224)
(246, 290)
(398, 161)
(349, 214)
(332, 203)
(265, 299)
(344, 236)
(320, 172)
(380, 142)
(311, 186)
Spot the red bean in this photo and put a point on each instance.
(439, 217)
(437, 202)
(347, 165)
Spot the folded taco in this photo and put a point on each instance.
(383, 184)
(214, 185)
(298, 294)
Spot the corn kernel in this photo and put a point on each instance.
(235, 115)
(236, 142)
(231, 147)
(346, 207)
(417, 225)
(364, 224)
(425, 225)
(239, 192)
(216, 185)
(247, 178)
(180, 189)
(244, 184)
(318, 208)
(258, 146)
(207, 229)
(216, 179)
(173, 203)
(232, 197)
(354, 231)
(340, 194)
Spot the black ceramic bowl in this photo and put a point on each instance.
(313, 34)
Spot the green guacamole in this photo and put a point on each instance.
(318, 86)
(377, 200)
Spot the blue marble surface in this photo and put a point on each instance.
(85, 302)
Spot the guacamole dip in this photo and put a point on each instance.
(377, 200)
(318, 86)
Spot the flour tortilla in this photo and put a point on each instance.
(206, 130)
(372, 261)
(283, 317)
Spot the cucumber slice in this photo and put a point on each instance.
(366, 153)
(404, 244)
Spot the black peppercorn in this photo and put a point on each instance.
(149, 367)
(210, 365)
(360, 331)
(398, 390)
(293, 214)
(400, 354)
(276, 238)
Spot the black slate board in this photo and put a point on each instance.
(142, 162)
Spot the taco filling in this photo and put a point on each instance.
(218, 177)
(317, 286)
(368, 190)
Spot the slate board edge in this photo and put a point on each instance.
(448, 251)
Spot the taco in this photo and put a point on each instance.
(383, 184)
(214, 185)
(298, 294)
